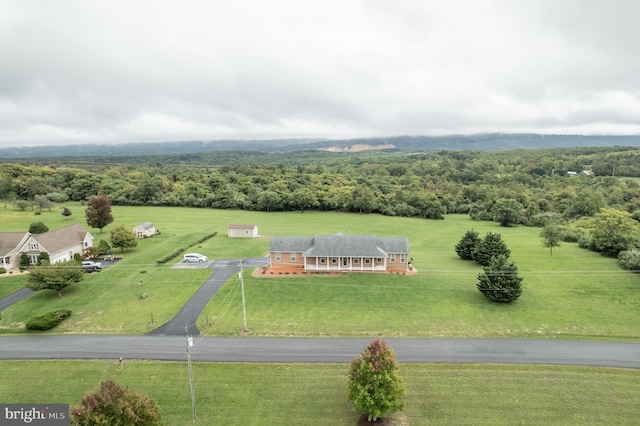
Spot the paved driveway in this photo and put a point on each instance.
(223, 270)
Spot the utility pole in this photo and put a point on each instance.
(244, 305)
(193, 392)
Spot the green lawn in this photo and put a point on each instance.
(311, 394)
(573, 294)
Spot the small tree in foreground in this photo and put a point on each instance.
(54, 277)
(116, 406)
(374, 383)
(500, 281)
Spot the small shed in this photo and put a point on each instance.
(144, 230)
(242, 231)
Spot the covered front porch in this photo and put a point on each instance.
(345, 264)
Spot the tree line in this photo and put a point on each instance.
(428, 185)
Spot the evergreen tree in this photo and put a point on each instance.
(500, 281)
(467, 244)
(103, 247)
(374, 383)
(490, 246)
(66, 212)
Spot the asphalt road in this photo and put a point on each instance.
(322, 350)
(169, 342)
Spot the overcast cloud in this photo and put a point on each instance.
(133, 71)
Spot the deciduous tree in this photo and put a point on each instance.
(551, 236)
(123, 238)
(116, 406)
(507, 211)
(614, 231)
(98, 212)
(374, 382)
(55, 277)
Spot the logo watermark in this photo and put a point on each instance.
(34, 414)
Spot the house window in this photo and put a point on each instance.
(367, 261)
(278, 256)
(392, 258)
(402, 258)
(33, 259)
(334, 260)
(378, 260)
(86, 244)
(33, 246)
(246, 232)
(293, 257)
(323, 260)
(356, 261)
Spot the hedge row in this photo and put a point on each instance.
(182, 250)
(48, 320)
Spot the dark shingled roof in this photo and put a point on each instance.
(340, 245)
(290, 244)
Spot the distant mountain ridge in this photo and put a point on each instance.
(480, 142)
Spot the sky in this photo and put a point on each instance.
(88, 71)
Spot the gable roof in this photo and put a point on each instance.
(11, 241)
(145, 225)
(340, 245)
(61, 238)
(240, 226)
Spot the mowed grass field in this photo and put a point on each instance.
(315, 394)
(572, 294)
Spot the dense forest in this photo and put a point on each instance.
(517, 187)
(428, 185)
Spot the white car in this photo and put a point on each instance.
(194, 257)
(90, 266)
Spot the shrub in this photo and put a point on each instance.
(630, 259)
(3, 270)
(115, 405)
(38, 228)
(49, 320)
